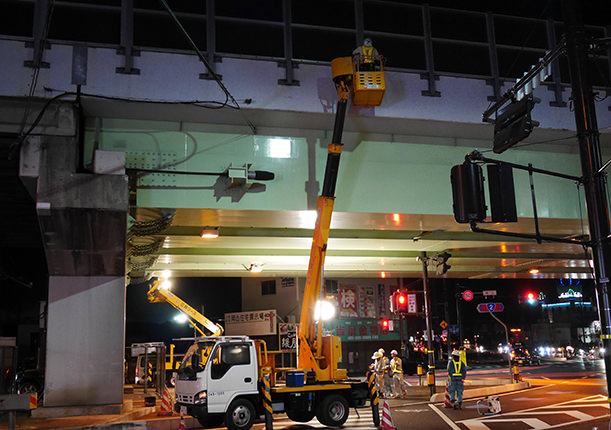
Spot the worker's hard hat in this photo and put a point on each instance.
(456, 353)
(381, 351)
(376, 355)
(393, 352)
(367, 42)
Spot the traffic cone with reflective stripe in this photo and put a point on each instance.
(447, 403)
(181, 425)
(166, 405)
(387, 418)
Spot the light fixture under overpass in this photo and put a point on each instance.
(209, 233)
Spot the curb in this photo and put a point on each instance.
(479, 392)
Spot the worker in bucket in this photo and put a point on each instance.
(396, 370)
(457, 371)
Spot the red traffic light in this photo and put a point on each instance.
(531, 298)
(384, 324)
(398, 302)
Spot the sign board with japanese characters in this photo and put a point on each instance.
(251, 323)
(367, 302)
(348, 301)
(288, 337)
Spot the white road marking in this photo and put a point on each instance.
(527, 399)
(556, 409)
(444, 417)
(364, 422)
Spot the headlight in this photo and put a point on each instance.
(201, 398)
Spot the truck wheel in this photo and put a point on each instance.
(300, 416)
(240, 415)
(332, 411)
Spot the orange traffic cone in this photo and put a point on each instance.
(387, 418)
(181, 426)
(447, 403)
(166, 405)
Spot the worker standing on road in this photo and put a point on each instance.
(457, 371)
(379, 372)
(396, 370)
(387, 377)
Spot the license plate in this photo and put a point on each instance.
(183, 410)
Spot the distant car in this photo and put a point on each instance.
(30, 381)
(524, 358)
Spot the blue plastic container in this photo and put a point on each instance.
(295, 378)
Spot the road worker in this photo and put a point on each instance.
(396, 371)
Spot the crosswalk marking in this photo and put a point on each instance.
(567, 408)
(364, 422)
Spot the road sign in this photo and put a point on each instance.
(443, 324)
(453, 328)
(487, 293)
(411, 304)
(490, 307)
(467, 295)
(444, 333)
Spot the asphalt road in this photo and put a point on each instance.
(567, 394)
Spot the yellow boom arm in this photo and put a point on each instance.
(320, 354)
(157, 294)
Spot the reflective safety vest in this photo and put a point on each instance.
(457, 369)
(367, 54)
(396, 366)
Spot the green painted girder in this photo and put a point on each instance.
(348, 234)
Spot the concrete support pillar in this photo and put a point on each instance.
(83, 219)
(85, 341)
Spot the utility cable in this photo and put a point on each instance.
(216, 77)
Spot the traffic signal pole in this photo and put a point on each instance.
(594, 179)
(430, 377)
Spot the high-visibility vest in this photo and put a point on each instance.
(395, 365)
(458, 368)
(367, 54)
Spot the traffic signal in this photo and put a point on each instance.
(384, 325)
(513, 125)
(468, 201)
(532, 298)
(398, 302)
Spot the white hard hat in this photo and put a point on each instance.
(393, 352)
(381, 351)
(376, 355)
(456, 353)
(367, 42)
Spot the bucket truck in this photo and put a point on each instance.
(233, 378)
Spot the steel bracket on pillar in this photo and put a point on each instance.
(208, 76)
(290, 66)
(429, 75)
(127, 39)
(555, 85)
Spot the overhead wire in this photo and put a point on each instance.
(210, 70)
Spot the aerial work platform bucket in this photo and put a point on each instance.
(368, 82)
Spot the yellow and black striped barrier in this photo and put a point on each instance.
(373, 398)
(267, 402)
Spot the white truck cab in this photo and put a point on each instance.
(217, 380)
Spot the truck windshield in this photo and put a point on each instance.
(196, 357)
